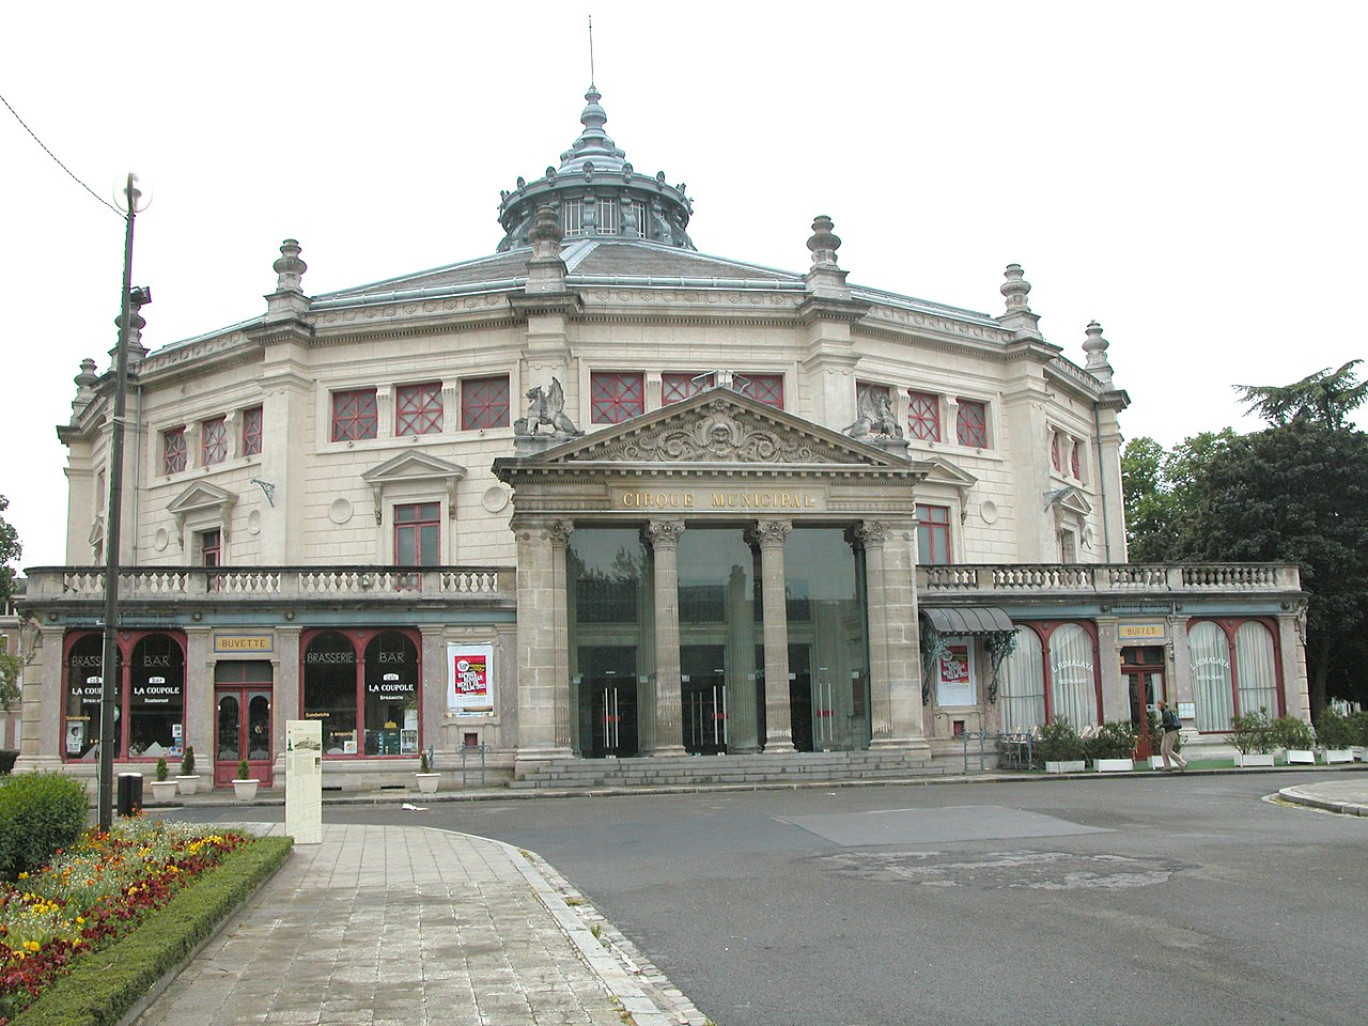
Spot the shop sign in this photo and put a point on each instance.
(470, 680)
(780, 500)
(230, 643)
(1153, 631)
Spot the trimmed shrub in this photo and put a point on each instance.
(1290, 732)
(8, 757)
(1359, 722)
(39, 813)
(1334, 730)
(1115, 740)
(1059, 742)
(1252, 733)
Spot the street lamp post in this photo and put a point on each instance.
(133, 202)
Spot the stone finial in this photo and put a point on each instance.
(546, 234)
(85, 388)
(132, 336)
(289, 268)
(1019, 319)
(824, 242)
(1096, 348)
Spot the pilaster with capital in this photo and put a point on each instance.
(1292, 654)
(543, 633)
(663, 536)
(285, 701)
(770, 535)
(41, 716)
(895, 666)
(201, 704)
(1115, 693)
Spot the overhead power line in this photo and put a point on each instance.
(68, 170)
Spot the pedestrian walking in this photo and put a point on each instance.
(1170, 724)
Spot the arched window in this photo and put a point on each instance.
(1211, 682)
(1073, 676)
(364, 686)
(1021, 682)
(1234, 670)
(1256, 668)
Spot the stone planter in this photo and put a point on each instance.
(1247, 759)
(188, 785)
(1156, 762)
(1304, 756)
(1115, 765)
(1066, 766)
(427, 782)
(163, 790)
(245, 789)
(1338, 755)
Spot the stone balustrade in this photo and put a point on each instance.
(1106, 578)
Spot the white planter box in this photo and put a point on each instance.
(1115, 765)
(187, 785)
(245, 790)
(163, 790)
(1254, 759)
(1067, 766)
(427, 782)
(1301, 755)
(1156, 762)
(1338, 755)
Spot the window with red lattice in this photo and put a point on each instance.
(418, 409)
(971, 424)
(923, 416)
(354, 415)
(766, 388)
(213, 441)
(615, 396)
(173, 450)
(484, 403)
(252, 421)
(677, 387)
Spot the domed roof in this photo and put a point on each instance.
(596, 193)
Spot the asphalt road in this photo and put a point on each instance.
(1184, 899)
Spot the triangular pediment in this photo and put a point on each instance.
(1068, 499)
(719, 426)
(413, 466)
(200, 496)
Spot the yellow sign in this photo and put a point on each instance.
(1141, 632)
(227, 643)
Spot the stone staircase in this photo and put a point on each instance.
(798, 769)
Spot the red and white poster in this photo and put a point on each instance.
(470, 679)
(956, 677)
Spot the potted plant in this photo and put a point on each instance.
(188, 782)
(1295, 738)
(1111, 748)
(1335, 737)
(1060, 747)
(163, 789)
(1252, 736)
(427, 780)
(245, 787)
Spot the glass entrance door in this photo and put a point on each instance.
(608, 701)
(704, 685)
(243, 732)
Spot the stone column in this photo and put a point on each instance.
(201, 708)
(432, 692)
(669, 703)
(41, 745)
(742, 725)
(1115, 693)
(1292, 653)
(543, 654)
(895, 666)
(287, 693)
(770, 535)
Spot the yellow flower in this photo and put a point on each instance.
(23, 876)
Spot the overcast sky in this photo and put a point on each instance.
(1189, 174)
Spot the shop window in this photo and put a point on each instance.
(1073, 676)
(1234, 670)
(173, 450)
(923, 416)
(150, 696)
(213, 441)
(418, 409)
(765, 388)
(363, 686)
(417, 534)
(971, 424)
(678, 387)
(252, 421)
(615, 397)
(1021, 685)
(354, 415)
(933, 535)
(484, 403)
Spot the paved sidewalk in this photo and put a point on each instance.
(1349, 795)
(407, 926)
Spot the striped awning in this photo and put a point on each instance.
(968, 619)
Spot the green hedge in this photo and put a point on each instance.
(39, 813)
(105, 984)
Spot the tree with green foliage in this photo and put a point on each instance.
(1158, 490)
(10, 662)
(1326, 397)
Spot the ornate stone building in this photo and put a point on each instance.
(601, 495)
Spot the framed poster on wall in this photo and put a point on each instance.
(955, 685)
(470, 679)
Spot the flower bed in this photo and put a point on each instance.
(92, 894)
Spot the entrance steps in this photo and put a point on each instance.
(791, 768)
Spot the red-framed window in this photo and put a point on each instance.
(923, 416)
(676, 387)
(615, 396)
(933, 535)
(1236, 668)
(1076, 460)
(252, 422)
(765, 388)
(971, 424)
(1069, 670)
(418, 534)
(213, 441)
(211, 548)
(173, 450)
(363, 686)
(150, 689)
(1054, 451)
(354, 415)
(418, 409)
(484, 403)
